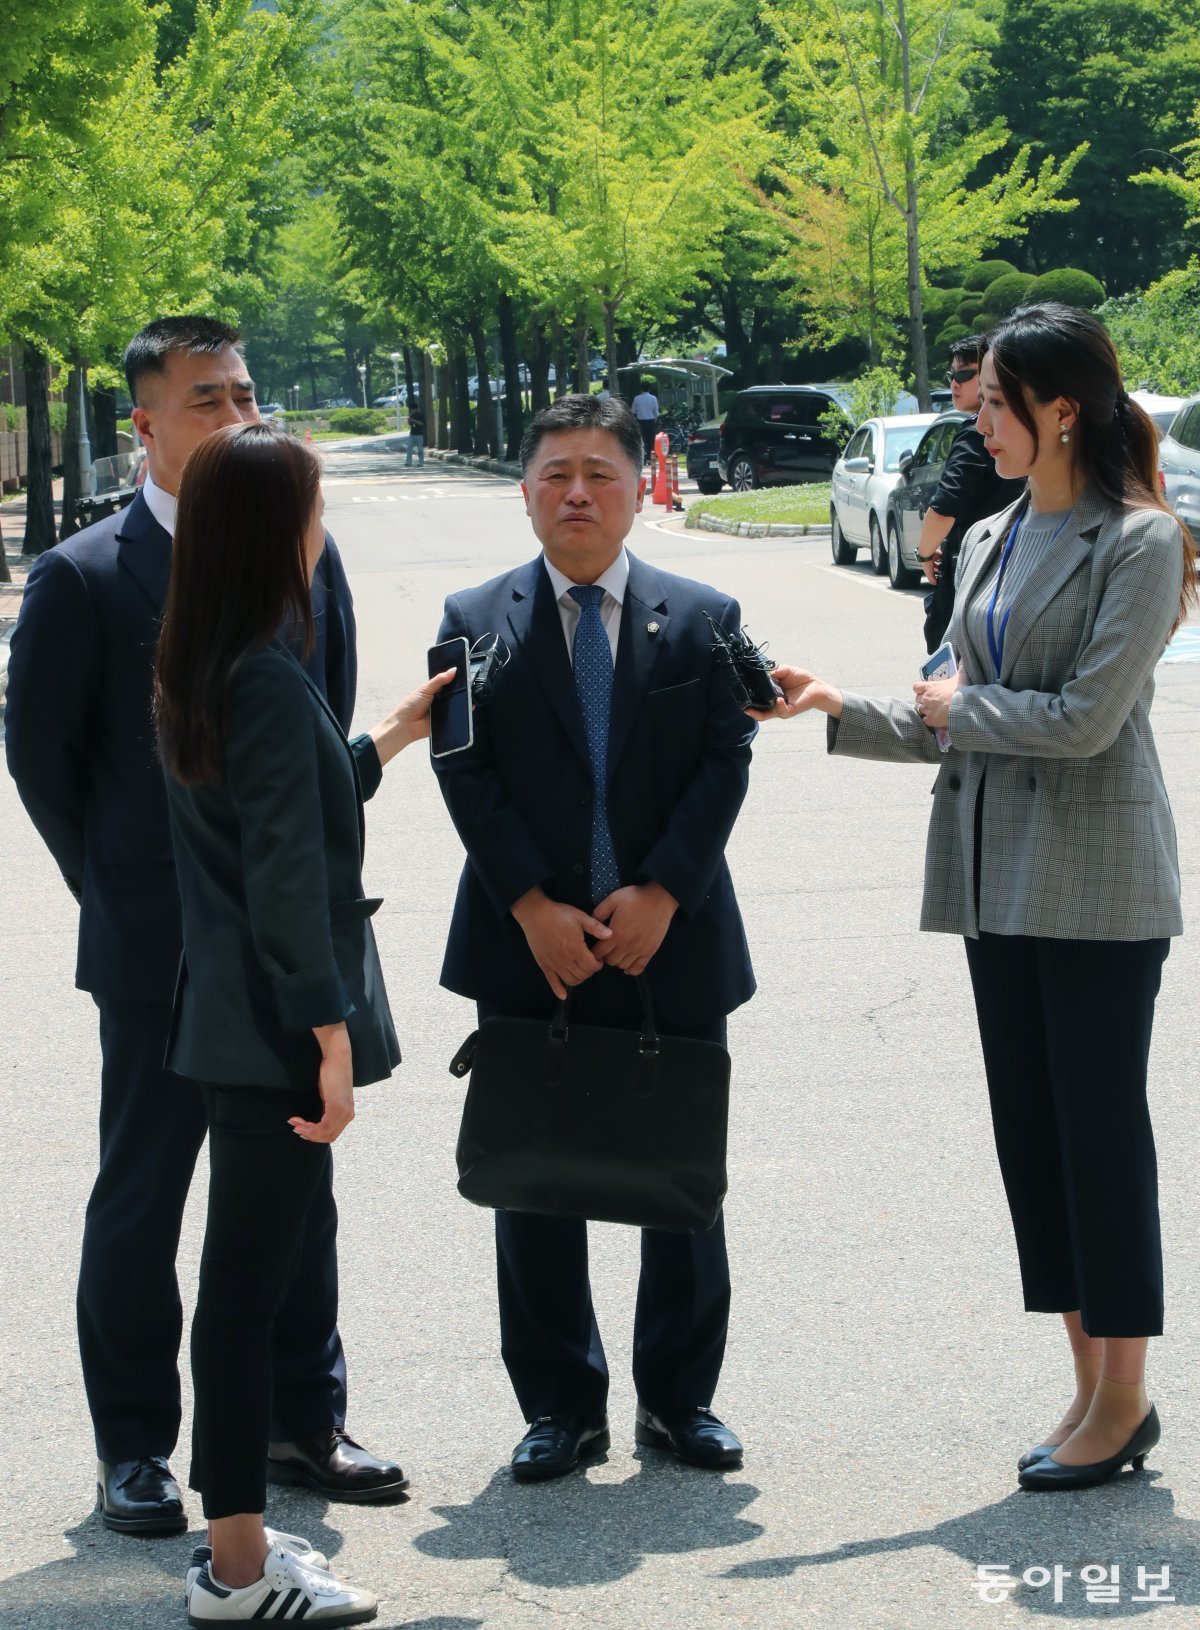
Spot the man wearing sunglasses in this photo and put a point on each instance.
(969, 491)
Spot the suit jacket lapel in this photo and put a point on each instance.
(144, 551)
(1057, 564)
(979, 563)
(537, 628)
(638, 652)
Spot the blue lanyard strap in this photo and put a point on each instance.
(996, 642)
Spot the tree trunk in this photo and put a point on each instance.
(485, 402)
(39, 512)
(610, 344)
(916, 304)
(539, 368)
(513, 416)
(737, 342)
(460, 400)
(429, 400)
(104, 423)
(72, 454)
(409, 374)
(583, 331)
(442, 390)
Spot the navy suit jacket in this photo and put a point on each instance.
(521, 797)
(277, 934)
(79, 736)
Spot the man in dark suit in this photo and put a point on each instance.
(608, 768)
(81, 749)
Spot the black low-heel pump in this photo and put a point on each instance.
(1049, 1473)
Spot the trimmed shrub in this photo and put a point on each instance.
(969, 312)
(58, 417)
(1006, 294)
(1069, 286)
(984, 272)
(360, 421)
(954, 330)
(939, 303)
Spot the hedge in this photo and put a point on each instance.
(361, 421)
(1005, 294)
(1069, 286)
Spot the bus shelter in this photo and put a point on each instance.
(686, 384)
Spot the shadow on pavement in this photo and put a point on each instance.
(1130, 1523)
(573, 1531)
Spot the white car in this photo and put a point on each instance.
(862, 478)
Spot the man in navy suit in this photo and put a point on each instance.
(607, 771)
(81, 750)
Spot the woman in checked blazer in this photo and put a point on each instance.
(1052, 848)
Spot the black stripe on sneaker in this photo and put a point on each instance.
(263, 1610)
(205, 1581)
(305, 1604)
(288, 1603)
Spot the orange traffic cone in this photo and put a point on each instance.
(308, 434)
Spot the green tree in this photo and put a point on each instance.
(1122, 76)
(891, 155)
(1157, 332)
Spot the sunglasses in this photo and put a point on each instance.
(960, 376)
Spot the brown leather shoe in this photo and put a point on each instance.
(340, 1468)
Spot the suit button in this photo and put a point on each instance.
(1033, 783)
(954, 783)
(577, 868)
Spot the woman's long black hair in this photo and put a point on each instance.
(238, 578)
(1054, 350)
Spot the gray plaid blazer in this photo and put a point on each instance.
(1078, 838)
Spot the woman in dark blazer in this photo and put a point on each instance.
(1052, 847)
(280, 1010)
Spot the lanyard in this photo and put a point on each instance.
(996, 644)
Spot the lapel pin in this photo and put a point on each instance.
(652, 628)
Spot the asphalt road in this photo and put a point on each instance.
(880, 1369)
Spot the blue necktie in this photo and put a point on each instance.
(591, 655)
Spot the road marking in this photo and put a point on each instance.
(1185, 647)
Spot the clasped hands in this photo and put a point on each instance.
(570, 945)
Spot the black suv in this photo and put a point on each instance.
(772, 437)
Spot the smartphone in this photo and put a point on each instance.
(941, 665)
(451, 718)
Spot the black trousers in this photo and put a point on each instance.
(549, 1337)
(1065, 1027)
(649, 429)
(152, 1124)
(263, 1182)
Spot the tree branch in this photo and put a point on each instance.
(862, 108)
(937, 51)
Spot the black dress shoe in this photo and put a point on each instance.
(139, 1496)
(697, 1437)
(340, 1468)
(1052, 1474)
(1038, 1452)
(554, 1445)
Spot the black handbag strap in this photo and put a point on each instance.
(648, 1041)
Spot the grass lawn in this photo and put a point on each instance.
(778, 504)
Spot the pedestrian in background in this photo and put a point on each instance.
(280, 1010)
(416, 434)
(645, 411)
(970, 489)
(1052, 847)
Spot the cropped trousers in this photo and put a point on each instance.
(1065, 1027)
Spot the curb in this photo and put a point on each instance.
(493, 466)
(760, 529)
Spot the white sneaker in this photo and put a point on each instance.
(287, 1590)
(286, 1542)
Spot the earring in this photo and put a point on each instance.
(1066, 436)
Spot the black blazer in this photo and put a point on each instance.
(80, 738)
(276, 933)
(679, 758)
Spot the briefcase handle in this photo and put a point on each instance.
(648, 1043)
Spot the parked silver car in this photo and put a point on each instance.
(1179, 461)
(862, 478)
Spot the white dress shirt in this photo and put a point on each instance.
(613, 582)
(162, 505)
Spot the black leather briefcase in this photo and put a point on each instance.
(575, 1120)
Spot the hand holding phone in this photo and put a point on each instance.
(943, 664)
(451, 717)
